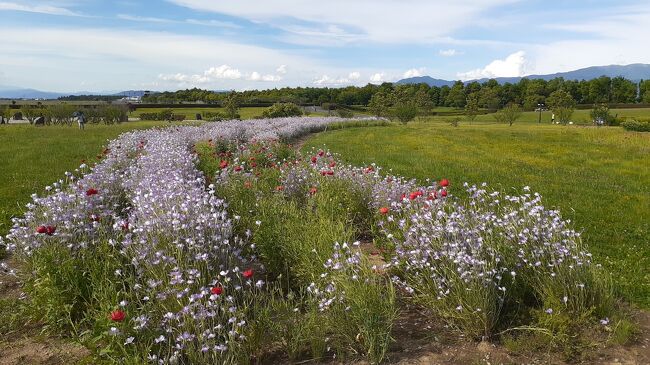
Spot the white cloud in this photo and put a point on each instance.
(448, 52)
(377, 78)
(256, 76)
(615, 38)
(213, 23)
(414, 72)
(43, 9)
(512, 66)
(329, 81)
(223, 72)
(126, 56)
(282, 69)
(355, 75)
(137, 18)
(385, 21)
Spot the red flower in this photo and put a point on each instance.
(50, 230)
(329, 172)
(125, 226)
(383, 210)
(279, 188)
(321, 153)
(253, 164)
(444, 182)
(248, 184)
(118, 315)
(238, 168)
(95, 218)
(91, 192)
(314, 159)
(248, 273)
(313, 191)
(332, 164)
(223, 164)
(413, 195)
(443, 193)
(41, 229)
(217, 290)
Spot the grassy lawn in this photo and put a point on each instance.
(190, 113)
(578, 117)
(598, 177)
(34, 157)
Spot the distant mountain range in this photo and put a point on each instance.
(9, 92)
(634, 72)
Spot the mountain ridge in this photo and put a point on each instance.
(634, 72)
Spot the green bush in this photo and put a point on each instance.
(405, 112)
(282, 110)
(345, 113)
(639, 125)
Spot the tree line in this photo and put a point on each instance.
(527, 93)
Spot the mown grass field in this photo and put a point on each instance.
(190, 113)
(34, 157)
(598, 177)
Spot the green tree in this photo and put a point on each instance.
(600, 114)
(623, 90)
(644, 91)
(282, 110)
(509, 114)
(423, 101)
(379, 104)
(562, 105)
(231, 105)
(471, 107)
(405, 111)
(456, 96)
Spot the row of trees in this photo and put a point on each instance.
(490, 94)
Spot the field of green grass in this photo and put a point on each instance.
(190, 113)
(598, 177)
(579, 116)
(33, 157)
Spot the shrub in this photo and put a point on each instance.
(638, 125)
(405, 112)
(509, 114)
(282, 110)
(345, 113)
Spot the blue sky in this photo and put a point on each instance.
(92, 45)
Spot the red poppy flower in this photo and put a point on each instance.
(91, 192)
(217, 290)
(248, 273)
(314, 159)
(443, 193)
(444, 182)
(95, 218)
(332, 164)
(312, 191)
(413, 195)
(383, 210)
(321, 153)
(238, 168)
(41, 229)
(125, 226)
(50, 230)
(223, 164)
(279, 188)
(118, 315)
(329, 172)
(248, 184)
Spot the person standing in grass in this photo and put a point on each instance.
(81, 119)
(553, 118)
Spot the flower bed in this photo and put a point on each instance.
(217, 244)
